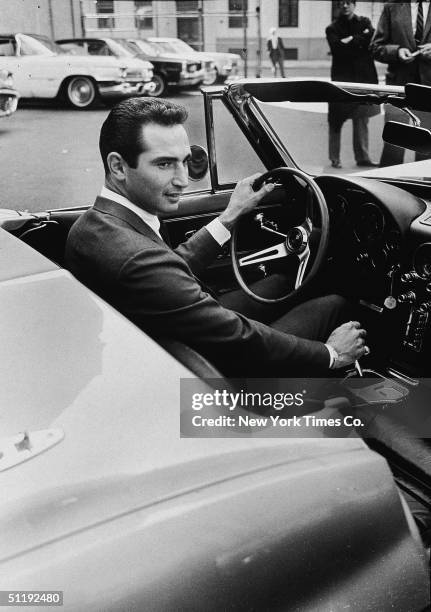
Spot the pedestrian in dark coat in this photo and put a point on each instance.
(349, 37)
(276, 51)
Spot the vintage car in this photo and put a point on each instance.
(218, 66)
(110, 492)
(8, 95)
(167, 71)
(42, 69)
(170, 71)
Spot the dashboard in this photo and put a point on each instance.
(380, 255)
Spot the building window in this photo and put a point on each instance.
(142, 20)
(183, 6)
(237, 6)
(288, 13)
(105, 6)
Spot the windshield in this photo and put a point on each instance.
(120, 49)
(38, 45)
(175, 46)
(146, 47)
(342, 137)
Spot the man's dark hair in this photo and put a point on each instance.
(121, 130)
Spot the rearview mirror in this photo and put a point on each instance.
(198, 163)
(408, 137)
(418, 97)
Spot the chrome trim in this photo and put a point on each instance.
(413, 382)
(272, 135)
(371, 306)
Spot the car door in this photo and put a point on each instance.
(10, 61)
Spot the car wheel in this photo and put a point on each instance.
(160, 84)
(81, 92)
(211, 77)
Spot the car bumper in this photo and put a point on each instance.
(8, 102)
(189, 79)
(125, 89)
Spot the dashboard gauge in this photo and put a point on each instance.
(370, 222)
(422, 260)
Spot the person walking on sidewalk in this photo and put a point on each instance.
(276, 51)
(349, 37)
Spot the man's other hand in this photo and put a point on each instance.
(349, 342)
(426, 51)
(405, 55)
(243, 200)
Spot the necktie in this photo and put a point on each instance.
(419, 23)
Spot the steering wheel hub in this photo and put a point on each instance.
(296, 240)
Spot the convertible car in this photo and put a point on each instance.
(111, 492)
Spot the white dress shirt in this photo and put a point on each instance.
(217, 230)
(414, 8)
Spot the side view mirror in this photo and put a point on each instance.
(198, 163)
(408, 137)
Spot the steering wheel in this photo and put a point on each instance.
(296, 243)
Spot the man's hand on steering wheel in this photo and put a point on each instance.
(243, 200)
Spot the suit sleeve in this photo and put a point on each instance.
(363, 39)
(381, 47)
(174, 305)
(199, 251)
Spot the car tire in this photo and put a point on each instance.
(160, 88)
(81, 92)
(212, 80)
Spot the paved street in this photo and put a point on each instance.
(49, 154)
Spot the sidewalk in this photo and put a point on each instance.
(318, 67)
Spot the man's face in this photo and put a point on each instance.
(161, 175)
(347, 8)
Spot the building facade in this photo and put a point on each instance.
(54, 18)
(210, 25)
(217, 25)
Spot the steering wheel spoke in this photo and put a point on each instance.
(297, 240)
(275, 252)
(303, 261)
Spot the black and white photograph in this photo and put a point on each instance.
(215, 305)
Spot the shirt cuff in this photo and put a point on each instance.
(218, 231)
(333, 356)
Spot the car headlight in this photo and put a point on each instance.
(6, 78)
(147, 74)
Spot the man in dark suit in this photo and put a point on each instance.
(403, 41)
(116, 249)
(275, 48)
(349, 37)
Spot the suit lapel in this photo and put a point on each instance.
(405, 16)
(125, 214)
(427, 27)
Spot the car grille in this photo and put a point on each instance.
(134, 74)
(193, 67)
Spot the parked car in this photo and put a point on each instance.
(103, 500)
(170, 71)
(217, 65)
(135, 67)
(167, 71)
(8, 95)
(41, 69)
